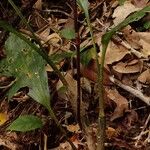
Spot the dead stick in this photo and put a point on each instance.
(131, 90)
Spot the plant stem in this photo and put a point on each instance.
(77, 45)
(61, 128)
(101, 116)
(100, 70)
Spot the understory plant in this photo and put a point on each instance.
(26, 62)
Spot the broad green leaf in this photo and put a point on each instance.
(26, 123)
(28, 67)
(40, 51)
(68, 33)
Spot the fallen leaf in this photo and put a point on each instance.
(131, 118)
(144, 35)
(90, 72)
(73, 128)
(3, 118)
(90, 133)
(38, 5)
(121, 102)
(145, 77)
(140, 3)
(70, 93)
(111, 132)
(118, 52)
(128, 67)
(132, 37)
(64, 146)
(145, 43)
(121, 12)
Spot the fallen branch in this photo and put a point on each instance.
(131, 90)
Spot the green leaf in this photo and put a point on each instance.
(28, 67)
(26, 123)
(135, 17)
(40, 50)
(121, 2)
(87, 55)
(147, 25)
(68, 33)
(84, 4)
(56, 58)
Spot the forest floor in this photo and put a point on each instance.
(126, 76)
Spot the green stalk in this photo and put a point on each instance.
(101, 117)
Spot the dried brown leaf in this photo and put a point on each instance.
(111, 132)
(145, 77)
(140, 3)
(90, 133)
(145, 43)
(121, 12)
(131, 67)
(70, 93)
(38, 5)
(115, 53)
(73, 128)
(121, 102)
(131, 37)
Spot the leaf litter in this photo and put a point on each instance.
(127, 61)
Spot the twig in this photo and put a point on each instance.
(56, 11)
(127, 45)
(148, 137)
(6, 142)
(131, 90)
(144, 127)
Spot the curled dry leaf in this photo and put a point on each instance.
(132, 37)
(121, 102)
(121, 12)
(145, 43)
(115, 53)
(70, 93)
(145, 77)
(133, 66)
